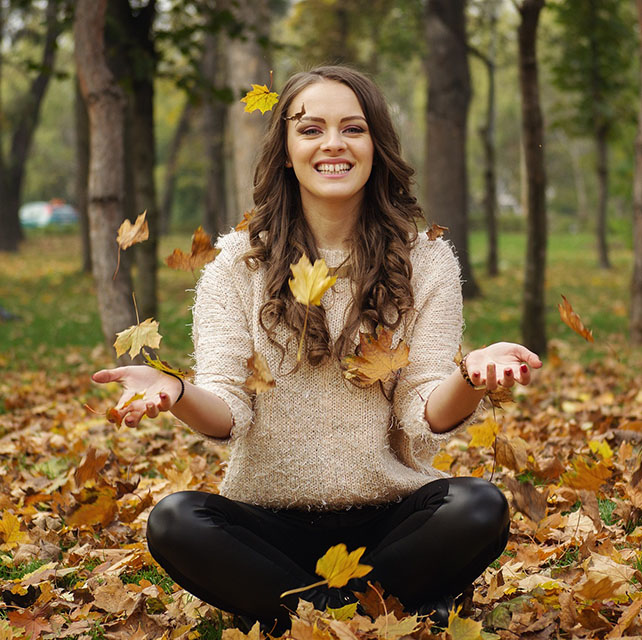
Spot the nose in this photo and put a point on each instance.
(333, 140)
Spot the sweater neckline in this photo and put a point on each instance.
(334, 257)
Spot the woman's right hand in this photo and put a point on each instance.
(159, 391)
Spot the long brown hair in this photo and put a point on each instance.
(380, 247)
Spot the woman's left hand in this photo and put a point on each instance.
(502, 363)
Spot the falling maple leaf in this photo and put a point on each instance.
(260, 97)
(298, 115)
(308, 284)
(571, 319)
(89, 467)
(260, 379)
(143, 334)
(435, 231)
(165, 367)
(130, 234)
(245, 222)
(377, 360)
(202, 252)
(338, 566)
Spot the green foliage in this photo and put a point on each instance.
(151, 574)
(606, 508)
(593, 62)
(210, 629)
(10, 572)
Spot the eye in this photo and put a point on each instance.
(354, 128)
(310, 131)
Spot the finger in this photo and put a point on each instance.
(107, 375)
(508, 379)
(165, 403)
(133, 418)
(527, 356)
(151, 410)
(491, 376)
(524, 374)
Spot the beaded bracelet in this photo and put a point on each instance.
(464, 374)
(180, 395)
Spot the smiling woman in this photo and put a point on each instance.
(324, 456)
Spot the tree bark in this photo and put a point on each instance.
(105, 102)
(602, 168)
(247, 62)
(82, 174)
(171, 165)
(12, 174)
(635, 326)
(449, 95)
(534, 316)
(217, 216)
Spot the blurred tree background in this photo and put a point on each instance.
(449, 68)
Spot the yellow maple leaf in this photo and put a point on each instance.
(130, 234)
(201, 253)
(10, 531)
(389, 628)
(483, 435)
(133, 339)
(96, 507)
(260, 379)
(163, 366)
(338, 566)
(463, 628)
(442, 461)
(601, 448)
(343, 613)
(260, 98)
(310, 282)
(377, 360)
(587, 476)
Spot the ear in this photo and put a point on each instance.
(288, 164)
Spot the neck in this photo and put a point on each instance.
(332, 225)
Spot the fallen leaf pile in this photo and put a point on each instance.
(75, 494)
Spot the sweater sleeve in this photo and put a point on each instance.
(221, 334)
(434, 341)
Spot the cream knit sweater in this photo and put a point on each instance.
(316, 441)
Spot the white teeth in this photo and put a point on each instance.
(327, 168)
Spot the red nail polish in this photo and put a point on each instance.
(524, 368)
(508, 372)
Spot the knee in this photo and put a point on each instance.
(167, 520)
(483, 503)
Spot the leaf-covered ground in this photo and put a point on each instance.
(75, 492)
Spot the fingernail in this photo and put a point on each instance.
(162, 395)
(508, 372)
(524, 368)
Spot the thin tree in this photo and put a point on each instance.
(105, 100)
(636, 284)
(12, 167)
(534, 306)
(449, 93)
(595, 52)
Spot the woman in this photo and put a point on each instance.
(317, 461)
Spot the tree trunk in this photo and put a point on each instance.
(171, 165)
(105, 102)
(247, 63)
(82, 175)
(449, 95)
(534, 316)
(13, 169)
(217, 217)
(575, 153)
(602, 168)
(636, 283)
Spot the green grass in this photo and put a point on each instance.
(9, 572)
(153, 575)
(60, 329)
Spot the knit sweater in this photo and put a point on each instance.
(316, 441)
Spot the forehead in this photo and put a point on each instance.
(326, 99)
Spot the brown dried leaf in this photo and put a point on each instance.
(96, 507)
(527, 498)
(245, 222)
(374, 606)
(32, 621)
(260, 379)
(571, 319)
(377, 360)
(435, 231)
(89, 467)
(130, 234)
(202, 252)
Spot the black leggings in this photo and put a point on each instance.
(240, 557)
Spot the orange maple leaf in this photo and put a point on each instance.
(96, 507)
(245, 222)
(31, 620)
(435, 231)
(260, 379)
(571, 319)
(202, 252)
(91, 464)
(587, 476)
(377, 361)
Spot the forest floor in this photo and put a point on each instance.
(75, 490)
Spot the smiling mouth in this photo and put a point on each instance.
(333, 169)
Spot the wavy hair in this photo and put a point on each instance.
(379, 257)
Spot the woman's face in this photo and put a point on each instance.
(329, 149)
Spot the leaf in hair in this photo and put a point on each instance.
(296, 116)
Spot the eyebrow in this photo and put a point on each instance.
(315, 119)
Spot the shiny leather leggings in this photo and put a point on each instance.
(240, 557)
